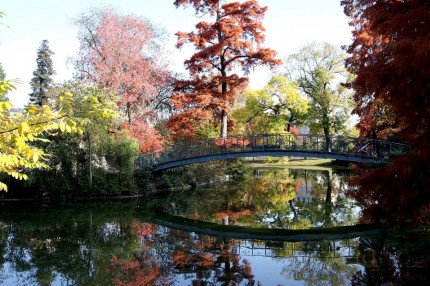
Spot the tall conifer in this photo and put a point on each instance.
(42, 76)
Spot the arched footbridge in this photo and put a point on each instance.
(360, 150)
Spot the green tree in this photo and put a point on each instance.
(42, 81)
(100, 121)
(98, 160)
(19, 132)
(319, 70)
(273, 108)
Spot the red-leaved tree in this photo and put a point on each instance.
(230, 40)
(390, 55)
(123, 53)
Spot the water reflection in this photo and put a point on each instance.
(270, 198)
(133, 243)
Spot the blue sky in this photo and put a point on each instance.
(289, 24)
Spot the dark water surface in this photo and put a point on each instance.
(263, 227)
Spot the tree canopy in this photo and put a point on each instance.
(231, 40)
(390, 55)
(124, 54)
(319, 71)
(19, 132)
(275, 108)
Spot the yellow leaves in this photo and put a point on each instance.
(18, 176)
(32, 109)
(18, 131)
(3, 187)
(71, 114)
(62, 126)
(93, 100)
(65, 97)
(6, 85)
(5, 105)
(23, 128)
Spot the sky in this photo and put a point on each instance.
(289, 25)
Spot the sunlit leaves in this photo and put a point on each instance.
(231, 42)
(124, 53)
(271, 110)
(319, 70)
(19, 131)
(6, 85)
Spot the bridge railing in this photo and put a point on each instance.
(278, 142)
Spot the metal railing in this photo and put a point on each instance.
(362, 147)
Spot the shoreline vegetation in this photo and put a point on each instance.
(158, 185)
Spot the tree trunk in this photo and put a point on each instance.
(90, 159)
(326, 130)
(224, 124)
(327, 138)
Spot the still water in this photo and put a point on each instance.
(249, 228)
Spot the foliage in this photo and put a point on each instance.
(136, 273)
(124, 54)
(19, 133)
(319, 71)
(271, 110)
(390, 55)
(101, 160)
(232, 41)
(150, 140)
(42, 81)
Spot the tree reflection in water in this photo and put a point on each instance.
(270, 198)
(121, 243)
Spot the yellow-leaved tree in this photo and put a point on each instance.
(273, 109)
(18, 131)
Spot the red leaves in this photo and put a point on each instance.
(117, 56)
(150, 141)
(231, 42)
(122, 53)
(141, 271)
(391, 57)
(398, 193)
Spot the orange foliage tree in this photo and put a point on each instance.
(231, 42)
(390, 55)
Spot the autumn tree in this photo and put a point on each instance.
(20, 131)
(42, 77)
(230, 40)
(123, 53)
(319, 70)
(275, 108)
(390, 55)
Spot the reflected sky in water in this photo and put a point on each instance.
(128, 242)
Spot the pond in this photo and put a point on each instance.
(254, 226)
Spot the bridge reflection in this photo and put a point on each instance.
(362, 150)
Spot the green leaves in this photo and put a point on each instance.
(269, 110)
(19, 131)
